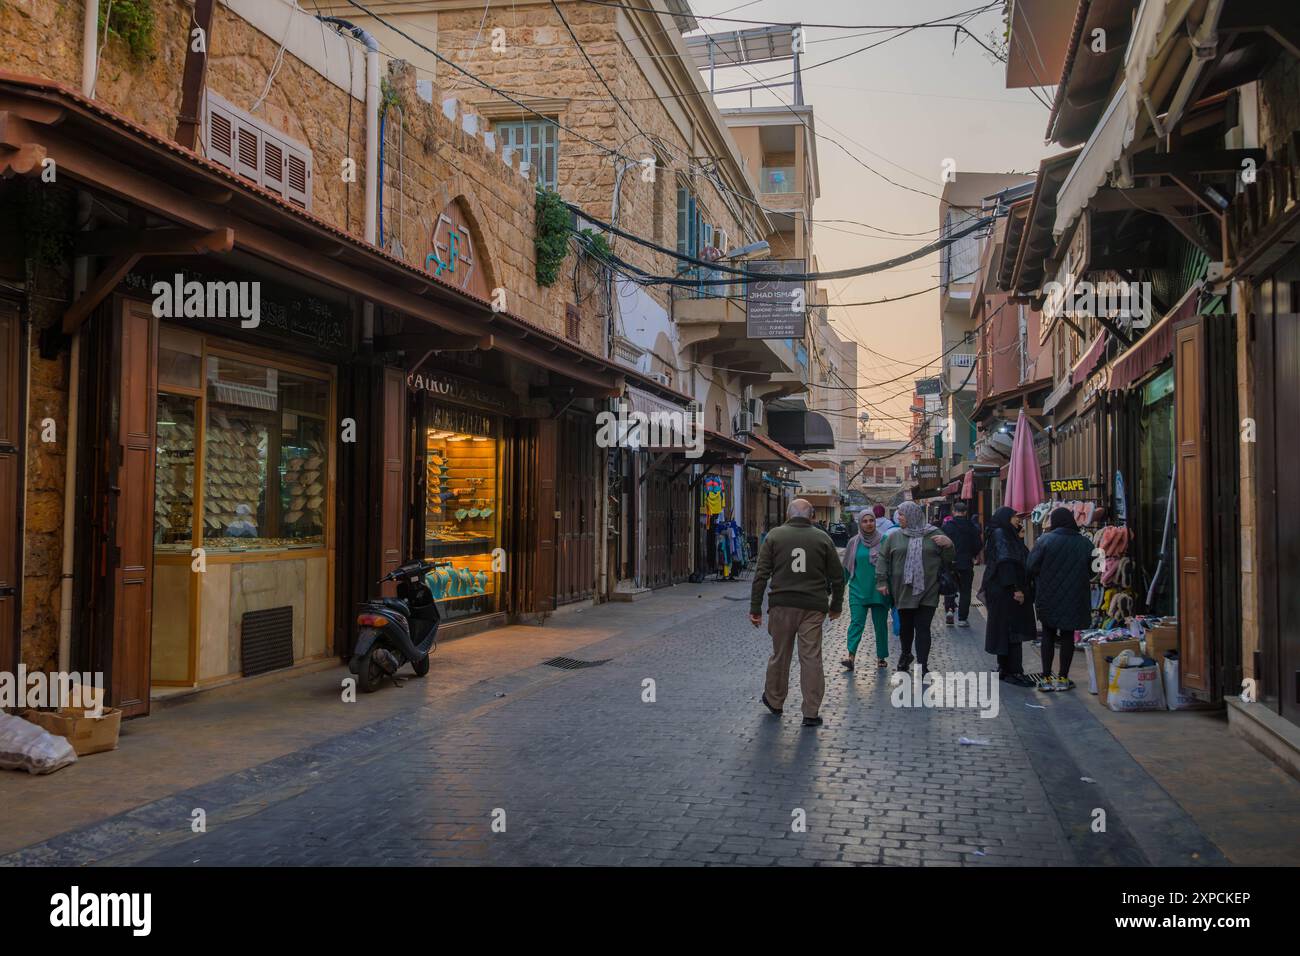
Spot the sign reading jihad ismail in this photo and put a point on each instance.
(776, 308)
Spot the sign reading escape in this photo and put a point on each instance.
(776, 308)
(1066, 486)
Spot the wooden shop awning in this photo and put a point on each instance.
(209, 208)
(768, 452)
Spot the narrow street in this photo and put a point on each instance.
(589, 774)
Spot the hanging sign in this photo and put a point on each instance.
(1066, 486)
(776, 308)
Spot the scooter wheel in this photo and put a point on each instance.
(421, 667)
(369, 674)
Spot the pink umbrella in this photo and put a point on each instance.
(1024, 489)
(968, 486)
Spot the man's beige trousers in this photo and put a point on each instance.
(788, 625)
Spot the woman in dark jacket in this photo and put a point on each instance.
(1061, 569)
(1007, 596)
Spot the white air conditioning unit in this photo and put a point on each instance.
(744, 423)
(661, 377)
(754, 406)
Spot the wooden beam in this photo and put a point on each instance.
(103, 242)
(1196, 161)
(195, 74)
(104, 283)
(100, 170)
(416, 339)
(1143, 198)
(21, 160)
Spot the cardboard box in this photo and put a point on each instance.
(88, 735)
(1161, 638)
(1100, 669)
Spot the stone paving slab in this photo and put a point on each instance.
(585, 772)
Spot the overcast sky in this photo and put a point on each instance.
(902, 108)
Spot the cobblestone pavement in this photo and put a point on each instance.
(582, 770)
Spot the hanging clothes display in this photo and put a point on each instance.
(715, 495)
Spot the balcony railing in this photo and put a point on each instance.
(778, 179)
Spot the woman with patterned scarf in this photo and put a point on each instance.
(908, 570)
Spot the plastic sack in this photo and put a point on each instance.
(24, 746)
(1134, 684)
(1175, 699)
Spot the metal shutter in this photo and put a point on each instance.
(221, 135)
(273, 163)
(248, 152)
(298, 177)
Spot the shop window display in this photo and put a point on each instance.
(265, 466)
(174, 473)
(461, 512)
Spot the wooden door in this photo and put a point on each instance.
(578, 491)
(545, 509)
(1192, 417)
(392, 504)
(118, 434)
(681, 522)
(12, 366)
(1286, 484)
(658, 560)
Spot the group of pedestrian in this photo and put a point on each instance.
(901, 567)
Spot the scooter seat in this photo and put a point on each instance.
(397, 604)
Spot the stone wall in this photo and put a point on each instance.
(540, 60)
(441, 162)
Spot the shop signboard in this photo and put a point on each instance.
(284, 313)
(926, 468)
(1066, 487)
(928, 386)
(776, 308)
(456, 390)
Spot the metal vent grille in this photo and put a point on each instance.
(573, 664)
(266, 640)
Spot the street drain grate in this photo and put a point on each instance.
(572, 664)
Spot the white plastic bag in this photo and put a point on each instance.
(1175, 699)
(24, 746)
(1134, 684)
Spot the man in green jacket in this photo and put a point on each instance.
(800, 561)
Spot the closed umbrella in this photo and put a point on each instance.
(968, 486)
(1024, 481)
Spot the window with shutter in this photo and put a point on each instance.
(298, 178)
(273, 166)
(258, 152)
(248, 155)
(572, 323)
(221, 136)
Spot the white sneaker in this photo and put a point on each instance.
(963, 623)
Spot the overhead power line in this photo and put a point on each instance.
(788, 23)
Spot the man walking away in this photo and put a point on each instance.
(801, 562)
(968, 539)
(883, 524)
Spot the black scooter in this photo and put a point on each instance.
(397, 630)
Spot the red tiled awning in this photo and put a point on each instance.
(1083, 368)
(765, 449)
(1154, 347)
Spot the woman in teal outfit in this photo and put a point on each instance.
(860, 571)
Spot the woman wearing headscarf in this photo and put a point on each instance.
(908, 570)
(1007, 595)
(860, 556)
(1061, 568)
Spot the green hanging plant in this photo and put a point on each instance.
(133, 21)
(551, 240)
(388, 97)
(597, 245)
